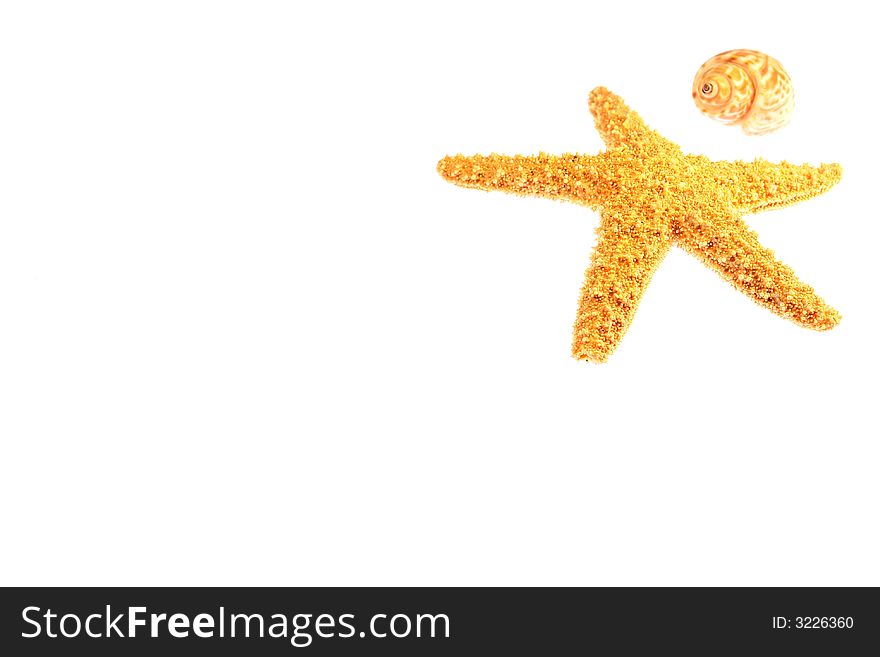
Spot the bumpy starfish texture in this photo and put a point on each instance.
(652, 196)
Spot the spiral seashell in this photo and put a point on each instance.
(745, 88)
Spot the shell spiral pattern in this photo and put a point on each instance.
(746, 88)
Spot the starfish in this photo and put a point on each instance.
(652, 196)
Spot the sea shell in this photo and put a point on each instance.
(745, 88)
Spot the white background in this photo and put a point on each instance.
(249, 336)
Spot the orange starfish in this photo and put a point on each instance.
(651, 196)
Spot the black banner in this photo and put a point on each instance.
(437, 621)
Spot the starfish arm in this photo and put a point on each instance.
(570, 177)
(628, 252)
(618, 125)
(727, 245)
(762, 185)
